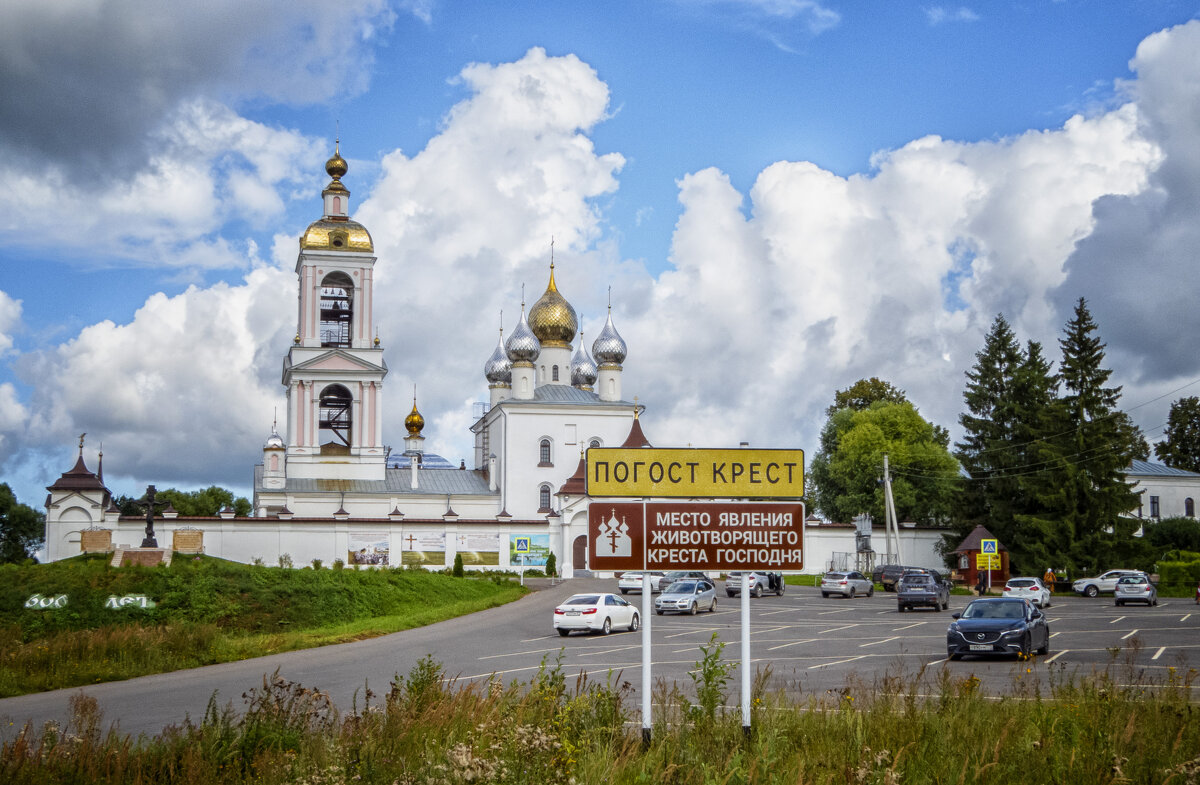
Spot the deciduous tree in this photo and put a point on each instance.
(22, 528)
(1180, 447)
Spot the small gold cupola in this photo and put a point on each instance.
(335, 231)
(552, 318)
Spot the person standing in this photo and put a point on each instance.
(1048, 580)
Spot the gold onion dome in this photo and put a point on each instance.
(336, 166)
(552, 318)
(336, 233)
(414, 422)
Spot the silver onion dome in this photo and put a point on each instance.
(498, 368)
(583, 369)
(274, 441)
(609, 348)
(523, 345)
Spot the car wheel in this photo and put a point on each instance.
(624, 591)
(899, 609)
(713, 606)
(660, 613)
(1047, 603)
(1045, 647)
(757, 591)
(779, 591)
(563, 632)
(1026, 647)
(607, 628)
(946, 604)
(1155, 601)
(633, 625)
(825, 594)
(730, 593)
(1091, 591)
(852, 592)
(692, 608)
(937, 606)
(871, 592)
(1118, 603)
(955, 656)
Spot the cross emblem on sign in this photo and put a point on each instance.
(411, 540)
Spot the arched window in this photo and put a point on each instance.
(554, 373)
(334, 421)
(594, 443)
(544, 498)
(1189, 507)
(544, 453)
(337, 205)
(337, 310)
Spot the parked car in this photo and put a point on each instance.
(595, 613)
(1031, 589)
(1092, 587)
(998, 625)
(687, 596)
(922, 588)
(760, 582)
(888, 575)
(847, 584)
(1135, 588)
(683, 575)
(632, 581)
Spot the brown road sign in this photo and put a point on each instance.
(716, 536)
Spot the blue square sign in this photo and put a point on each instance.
(989, 546)
(521, 545)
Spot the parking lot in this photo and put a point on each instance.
(812, 644)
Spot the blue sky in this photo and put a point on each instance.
(784, 195)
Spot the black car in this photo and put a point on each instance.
(998, 625)
(888, 575)
(922, 589)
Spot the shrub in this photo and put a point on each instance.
(458, 565)
(551, 566)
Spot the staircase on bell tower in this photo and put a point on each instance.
(334, 370)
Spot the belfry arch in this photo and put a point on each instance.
(337, 310)
(335, 420)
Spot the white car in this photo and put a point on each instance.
(595, 613)
(632, 582)
(1031, 589)
(1091, 587)
(847, 584)
(687, 596)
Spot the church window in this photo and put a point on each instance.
(1189, 507)
(554, 373)
(544, 453)
(1154, 507)
(337, 205)
(594, 443)
(337, 310)
(334, 424)
(544, 498)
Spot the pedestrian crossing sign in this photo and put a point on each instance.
(521, 545)
(989, 546)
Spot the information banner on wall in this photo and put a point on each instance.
(537, 549)
(423, 549)
(478, 549)
(687, 473)
(696, 535)
(368, 548)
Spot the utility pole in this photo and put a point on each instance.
(891, 527)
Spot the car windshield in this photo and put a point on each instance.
(995, 610)
(1132, 579)
(834, 576)
(916, 580)
(583, 599)
(1021, 583)
(682, 587)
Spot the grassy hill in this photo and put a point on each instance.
(80, 621)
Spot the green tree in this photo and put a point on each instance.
(846, 472)
(22, 528)
(863, 393)
(1174, 534)
(1180, 447)
(206, 502)
(1090, 446)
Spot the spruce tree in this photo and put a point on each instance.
(1094, 443)
(1180, 449)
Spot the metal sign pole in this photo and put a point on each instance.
(646, 613)
(746, 652)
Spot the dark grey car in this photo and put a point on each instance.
(924, 589)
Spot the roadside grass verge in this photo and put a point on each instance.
(910, 728)
(207, 611)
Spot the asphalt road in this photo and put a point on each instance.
(812, 645)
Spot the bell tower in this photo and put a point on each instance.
(334, 370)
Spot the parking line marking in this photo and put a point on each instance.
(689, 632)
(839, 662)
(772, 629)
(609, 651)
(1056, 656)
(1129, 634)
(1185, 618)
(839, 610)
(909, 627)
(793, 643)
(772, 613)
(1114, 621)
(1158, 653)
(837, 629)
(518, 653)
(875, 643)
(1055, 633)
(531, 640)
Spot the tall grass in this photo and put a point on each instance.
(925, 727)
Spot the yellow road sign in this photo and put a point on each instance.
(987, 561)
(703, 474)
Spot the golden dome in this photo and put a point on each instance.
(341, 235)
(414, 422)
(552, 318)
(336, 166)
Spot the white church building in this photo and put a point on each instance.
(330, 488)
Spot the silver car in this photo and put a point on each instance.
(687, 596)
(847, 584)
(1135, 588)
